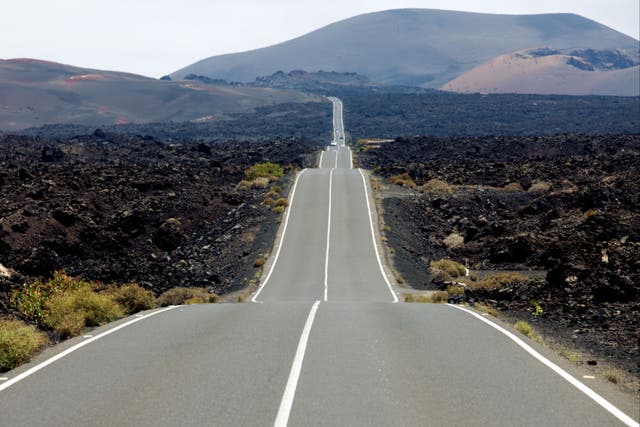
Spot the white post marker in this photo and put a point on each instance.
(627, 420)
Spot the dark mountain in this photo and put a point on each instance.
(419, 47)
(33, 93)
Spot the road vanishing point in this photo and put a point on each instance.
(323, 342)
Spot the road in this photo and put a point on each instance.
(322, 342)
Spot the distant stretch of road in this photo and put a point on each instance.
(323, 342)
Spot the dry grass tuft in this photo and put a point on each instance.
(498, 280)
(436, 186)
(483, 308)
(259, 182)
(512, 187)
(438, 297)
(453, 240)
(614, 376)
(446, 269)
(180, 296)
(403, 180)
(540, 187)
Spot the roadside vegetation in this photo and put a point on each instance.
(19, 341)
(65, 306)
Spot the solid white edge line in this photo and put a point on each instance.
(78, 346)
(284, 231)
(292, 383)
(558, 370)
(326, 257)
(373, 237)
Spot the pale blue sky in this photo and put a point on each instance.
(156, 37)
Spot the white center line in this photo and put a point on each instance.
(292, 383)
(326, 257)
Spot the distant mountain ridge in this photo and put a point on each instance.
(548, 71)
(418, 47)
(35, 92)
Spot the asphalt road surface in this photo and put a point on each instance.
(322, 342)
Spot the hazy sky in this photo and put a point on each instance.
(156, 37)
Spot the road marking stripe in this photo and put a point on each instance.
(336, 164)
(373, 237)
(292, 383)
(78, 346)
(321, 156)
(284, 230)
(558, 370)
(326, 257)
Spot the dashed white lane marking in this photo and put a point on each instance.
(588, 377)
(321, 157)
(78, 346)
(284, 231)
(90, 336)
(326, 256)
(3, 378)
(292, 383)
(627, 420)
(373, 238)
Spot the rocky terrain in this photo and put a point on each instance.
(390, 115)
(123, 209)
(563, 211)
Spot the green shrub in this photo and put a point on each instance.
(446, 269)
(69, 313)
(31, 298)
(18, 343)
(180, 296)
(133, 297)
(403, 179)
(267, 170)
